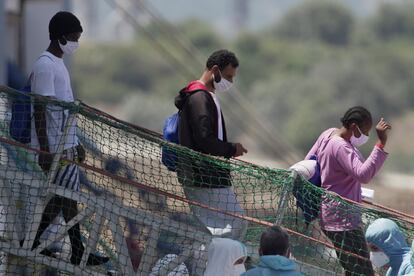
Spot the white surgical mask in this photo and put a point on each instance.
(379, 259)
(70, 47)
(223, 85)
(357, 142)
(238, 269)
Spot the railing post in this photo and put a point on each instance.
(281, 208)
(94, 234)
(149, 256)
(124, 258)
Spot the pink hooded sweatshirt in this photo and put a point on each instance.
(343, 169)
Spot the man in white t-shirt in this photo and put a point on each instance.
(50, 78)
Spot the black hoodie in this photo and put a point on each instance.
(198, 130)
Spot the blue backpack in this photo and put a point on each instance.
(170, 134)
(309, 202)
(21, 119)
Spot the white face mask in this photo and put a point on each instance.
(357, 142)
(223, 85)
(379, 259)
(237, 270)
(70, 47)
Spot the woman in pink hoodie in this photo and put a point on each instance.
(343, 170)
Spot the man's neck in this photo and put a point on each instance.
(55, 50)
(207, 80)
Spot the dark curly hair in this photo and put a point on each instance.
(274, 241)
(222, 58)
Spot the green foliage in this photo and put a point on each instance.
(109, 72)
(148, 111)
(305, 104)
(201, 34)
(296, 75)
(394, 21)
(327, 21)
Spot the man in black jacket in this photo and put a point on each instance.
(202, 128)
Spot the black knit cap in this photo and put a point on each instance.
(63, 23)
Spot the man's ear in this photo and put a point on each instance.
(215, 68)
(62, 40)
(216, 72)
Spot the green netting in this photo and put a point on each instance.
(135, 211)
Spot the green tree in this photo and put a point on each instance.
(394, 21)
(109, 72)
(201, 35)
(327, 21)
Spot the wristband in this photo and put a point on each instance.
(380, 146)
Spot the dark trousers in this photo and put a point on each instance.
(69, 210)
(352, 241)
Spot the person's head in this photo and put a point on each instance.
(221, 67)
(358, 122)
(274, 241)
(386, 243)
(225, 257)
(64, 32)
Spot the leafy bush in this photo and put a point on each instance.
(327, 21)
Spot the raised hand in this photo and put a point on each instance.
(382, 131)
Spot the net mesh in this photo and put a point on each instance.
(131, 215)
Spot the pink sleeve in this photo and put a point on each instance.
(350, 161)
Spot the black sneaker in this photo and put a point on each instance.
(92, 260)
(49, 253)
(96, 260)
